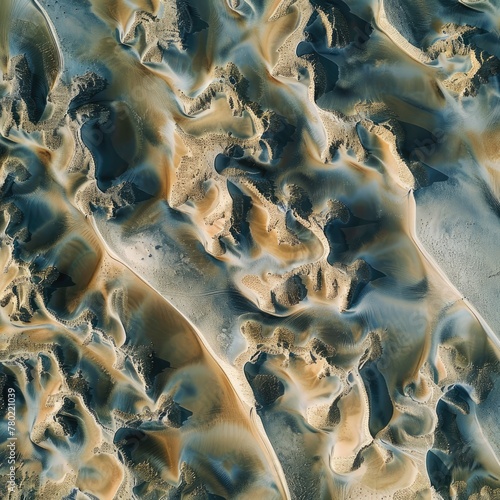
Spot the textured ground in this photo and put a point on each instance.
(250, 249)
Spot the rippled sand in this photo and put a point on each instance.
(250, 249)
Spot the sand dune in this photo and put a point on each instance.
(249, 249)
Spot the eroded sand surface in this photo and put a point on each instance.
(249, 248)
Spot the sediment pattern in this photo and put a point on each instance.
(249, 248)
